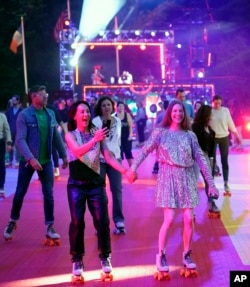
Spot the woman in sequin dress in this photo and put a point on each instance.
(177, 148)
(86, 186)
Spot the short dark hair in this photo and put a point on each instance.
(37, 88)
(216, 97)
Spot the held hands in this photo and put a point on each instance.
(131, 176)
(213, 192)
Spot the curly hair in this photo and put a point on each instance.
(98, 110)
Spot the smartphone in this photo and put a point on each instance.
(106, 124)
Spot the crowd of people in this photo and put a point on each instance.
(93, 137)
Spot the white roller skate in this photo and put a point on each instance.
(189, 269)
(162, 267)
(9, 229)
(227, 190)
(77, 272)
(52, 237)
(107, 269)
(119, 228)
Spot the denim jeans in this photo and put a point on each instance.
(223, 144)
(115, 181)
(2, 163)
(46, 177)
(95, 196)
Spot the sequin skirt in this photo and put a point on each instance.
(176, 187)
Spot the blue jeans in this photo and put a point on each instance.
(115, 181)
(2, 163)
(79, 194)
(46, 177)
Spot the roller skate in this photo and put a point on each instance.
(52, 238)
(213, 210)
(162, 267)
(189, 269)
(227, 190)
(9, 229)
(2, 194)
(77, 272)
(119, 228)
(107, 269)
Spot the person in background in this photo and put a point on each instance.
(141, 121)
(36, 133)
(206, 138)
(85, 143)
(159, 118)
(177, 148)
(5, 145)
(181, 96)
(12, 114)
(197, 105)
(104, 111)
(126, 133)
(97, 77)
(125, 79)
(222, 123)
(92, 104)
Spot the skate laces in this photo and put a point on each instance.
(105, 262)
(78, 265)
(51, 229)
(10, 227)
(187, 257)
(163, 260)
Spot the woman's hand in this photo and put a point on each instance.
(131, 176)
(213, 192)
(100, 134)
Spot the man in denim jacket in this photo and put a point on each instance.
(36, 133)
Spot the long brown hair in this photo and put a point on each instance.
(167, 120)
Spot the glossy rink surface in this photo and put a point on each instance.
(220, 245)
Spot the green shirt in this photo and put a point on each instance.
(43, 130)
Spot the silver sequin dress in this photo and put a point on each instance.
(176, 182)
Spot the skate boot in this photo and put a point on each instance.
(106, 268)
(227, 190)
(213, 210)
(189, 269)
(162, 267)
(77, 272)
(2, 193)
(52, 238)
(9, 229)
(119, 228)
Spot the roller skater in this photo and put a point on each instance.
(8, 231)
(52, 237)
(189, 269)
(119, 228)
(162, 267)
(213, 210)
(227, 190)
(106, 269)
(77, 272)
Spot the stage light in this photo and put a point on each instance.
(137, 33)
(143, 47)
(179, 46)
(167, 34)
(92, 47)
(117, 32)
(200, 74)
(119, 47)
(66, 24)
(153, 33)
(248, 126)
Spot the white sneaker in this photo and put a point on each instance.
(56, 172)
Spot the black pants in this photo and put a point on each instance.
(79, 195)
(223, 144)
(2, 163)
